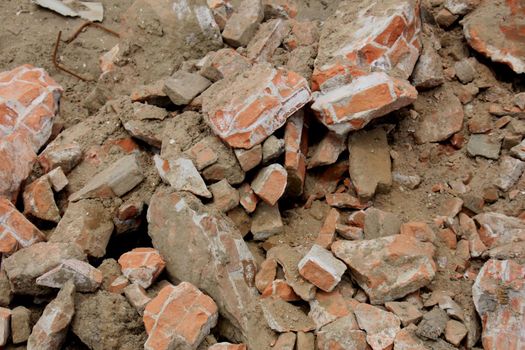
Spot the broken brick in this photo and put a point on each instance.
(182, 87)
(327, 233)
(341, 334)
(227, 346)
(243, 23)
(223, 64)
(247, 198)
(296, 147)
(272, 149)
(142, 265)
(268, 38)
(225, 197)
(266, 222)
(85, 277)
(137, 297)
(286, 341)
(321, 268)
(5, 325)
(58, 179)
(280, 289)
(419, 230)
(381, 326)
(181, 174)
(270, 183)
(328, 150)
(203, 154)
(285, 317)
(266, 274)
(64, 155)
(249, 158)
(263, 99)
(39, 200)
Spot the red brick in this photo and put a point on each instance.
(249, 158)
(280, 289)
(296, 147)
(340, 335)
(263, 99)
(270, 183)
(345, 201)
(327, 233)
(448, 237)
(39, 200)
(5, 325)
(15, 230)
(352, 106)
(328, 150)
(303, 33)
(266, 274)
(321, 268)
(381, 326)
(419, 230)
(203, 154)
(142, 265)
(247, 198)
(225, 197)
(267, 39)
(179, 317)
(280, 8)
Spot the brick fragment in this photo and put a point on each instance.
(302, 33)
(510, 170)
(272, 149)
(266, 274)
(270, 183)
(305, 341)
(455, 331)
(15, 230)
(352, 106)
(268, 38)
(114, 181)
(225, 197)
(266, 222)
(419, 230)
(243, 23)
(179, 317)
(142, 265)
(247, 198)
(279, 8)
(64, 155)
(39, 200)
(372, 264)
(296, 147)
(381, 326)
(280, 289)
(328, 150)
(181, 174)
(263, 99)
(428, 72)
(182, 87)
(5, 325)
(203, 154)
(221, 10)
(137, 297)
(118, 285)
(345, 201)
(327, 233)
(20, 324)
(286, 341)
(88, 224)
(223, 64)
(85, 277)
(249, 158)
(58, 179)
(407, 339)
(407, 312)
(433, 324)
(340, 334)
(227, 346)
(282, 316)
(321, 268)
(51, 329)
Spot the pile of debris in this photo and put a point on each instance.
(231, 205)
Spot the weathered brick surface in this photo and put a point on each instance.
(491, 30)
(366, 35)
(321, 268)
(381, 327)
(390, 267)
(39, 200)
(15, 230)
(142, 265)
(224, 63)
(352, 106)
(179, 318)
(28, 103)
(270, 183)
(499, 295)
(296, 147)
(244, 110)
(85, 277)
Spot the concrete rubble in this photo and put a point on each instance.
(269, 174)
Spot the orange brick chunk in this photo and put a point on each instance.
(142, 266)
(179, 318)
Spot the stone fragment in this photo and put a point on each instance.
(490, 29)
(272, 149)
(379, 223)
(267, 39)
(58, 179)
(279, 8)
(341, 334)
(483, 145)
(6, 295)
(63, 155)
(296, 147)
(286, 341)
(453, 309)
(270, 183)
(266, 274)
(381, 327)
(328, 307)
(390, 267)
(510, 170)
(445, 18)
(243, 23)
(110, 272)
(87, 223)
(51, 329)
(142, 266)
(328, 150)
(114, 181)
(352, 106)
(428, 72)
(85, 277)
(518, 151)
(370, 164)
(223, 64)
(227, 346)
(499, 290)
(143, 121)
(465, 70)
(182, 87)
(345, 201)
(327, 233)
(433, 324)
(26, 265)
(178, 224)
(15, 230)
(225, 197)
(305, 341)
(461, 7)
(406, 339)
(117, 326)
(28, 104)
(455, 332)
(282, 316)
(118, 285)
(289, 259)
(20, 324)
(321, 268)
(39, 200)
(266, 222)
(128, 216)
(249, 158)
(182, 175)
(498, 230)
(244, 110)
(438, 120)
(5, 325)
(137, 297)
(361, 37)
(302, 33)
(407, 312)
